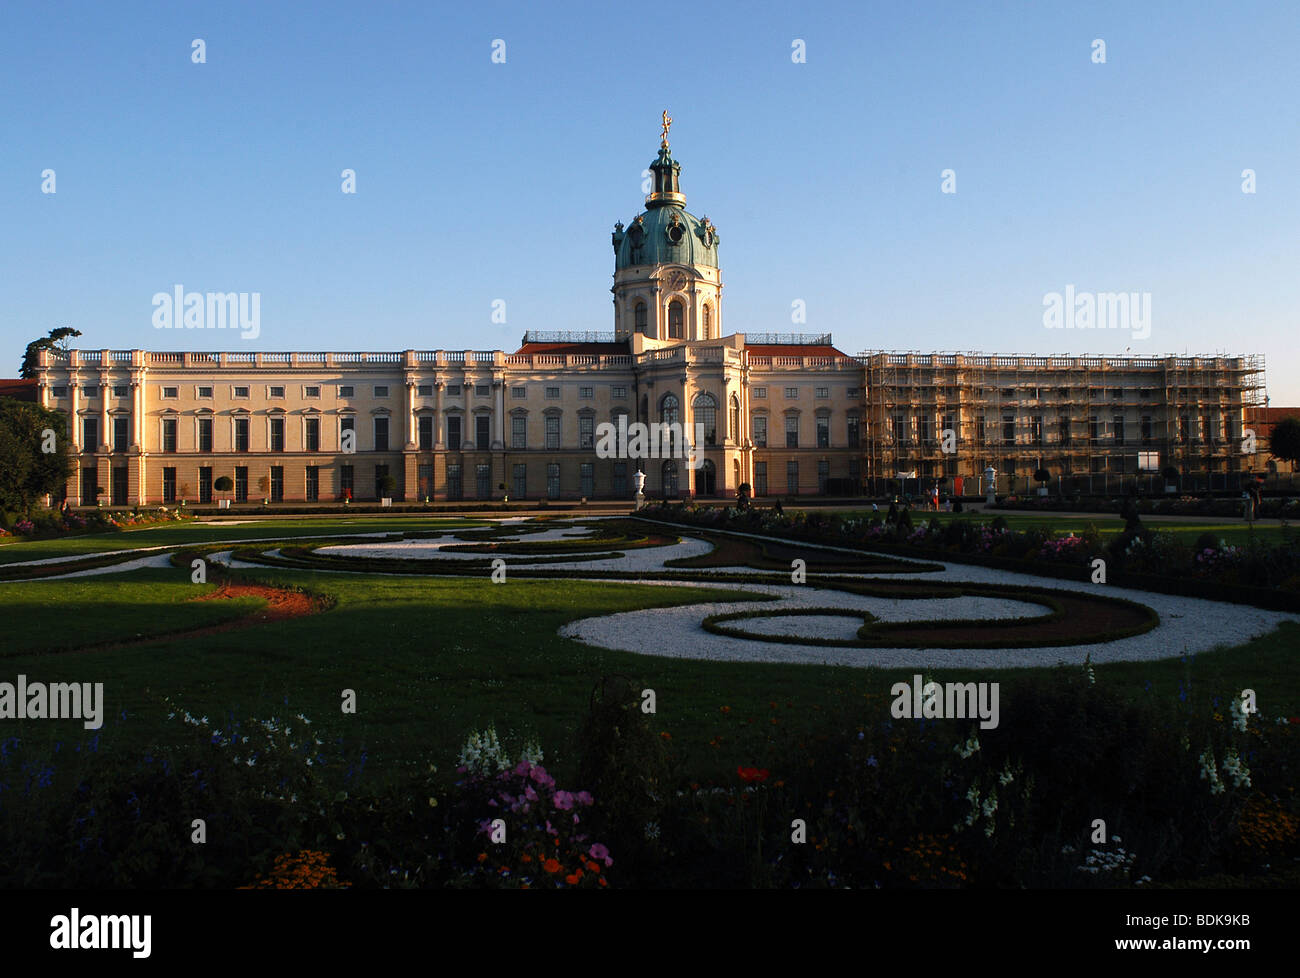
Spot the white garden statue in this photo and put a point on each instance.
(639, 479)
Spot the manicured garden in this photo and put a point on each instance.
(471, 706)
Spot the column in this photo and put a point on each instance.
(498, 423)
(410, 414)
(438, 443)
(105, 436)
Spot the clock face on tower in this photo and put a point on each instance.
(676, 281)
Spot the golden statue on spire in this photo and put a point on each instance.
(667, 125)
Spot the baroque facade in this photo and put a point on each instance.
(788, 414)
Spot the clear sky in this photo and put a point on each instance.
(479, 181)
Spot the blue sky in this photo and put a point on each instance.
(479, 181)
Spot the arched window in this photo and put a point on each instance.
(668, 476)
(675, 314)
(733, 429)
(639, 315)
(707, 315)
(670, 409)
(706, 414)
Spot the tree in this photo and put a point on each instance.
(1284, 442)
(1042, 476)
(56, 340)
(223, 484)
(34, 458)
(386, 485)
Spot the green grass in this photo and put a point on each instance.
(431, 659)
(1234, 532)
(182, 534)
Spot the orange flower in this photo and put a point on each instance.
(726, 709)
(602, 882)
(572, 879)
(552, 866)
(482, 857)
(666, 735)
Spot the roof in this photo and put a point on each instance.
(575, 349)
(793, 350)
(19, 390)
(1271, 415)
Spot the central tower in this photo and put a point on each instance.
(667, 285)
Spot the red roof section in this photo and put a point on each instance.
(19, 390)
(792, 350)
(574, 349)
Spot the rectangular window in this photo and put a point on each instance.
(1008, 429)
(586, 431)
(424, 431)
(519, 431)
(205, 392)
(120, 482)
(277, 434)
(823, 392)
(1036, 430)
(923, 430)
(1094, 429)
(1063, 430)
(587, 480)
(823, 475)
(58, 392)
(239, 392)
(520, 480)
(482, 390)
(311, 391)
(760, 478)
(347, 390)
(851, 393)
(792, 393)
(552, 431)
(424, 480)
(277, 483)
(312, 483)
(760, 393)
(205, 484)
(169, 485)
(792, 478)
(618, 392)
(311, 435)
(347, 479)
(381, 473)
(122, 434)
(241, 483)
(619, 485)
(276, 392)
(453, 390)
(121, 390)
(205, 434)
(853, 435)
(348, 435)
(381, 434)
(169, 435)
(381, 390)
(1146, 429)
(90, 390)
(792, 431)
(455, 488)
(89, 483)
(424, 390)
(483, 432)
(552, 393)
(553, 480)
(453, 432)
(900, 429)
(823, 432)
(169, 392)
(519, 392)
(586, 393)
(241, 434)
(1118, 430)
(483, 481)
(759, 423)
(980, 430)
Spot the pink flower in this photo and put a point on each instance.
(598, 851)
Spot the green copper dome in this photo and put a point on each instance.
(666, 233)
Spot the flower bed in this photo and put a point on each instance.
(51, 524)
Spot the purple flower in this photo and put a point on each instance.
(563, 800)
(598, 851)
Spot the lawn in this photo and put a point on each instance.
(431, 659)
(183, 534)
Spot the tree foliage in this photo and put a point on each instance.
(27, 470)
(56, 340)
(1284, 443)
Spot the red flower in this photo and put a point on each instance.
(751, 774)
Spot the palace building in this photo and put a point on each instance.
(788, 414)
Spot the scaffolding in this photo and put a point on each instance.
(1096, 424)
